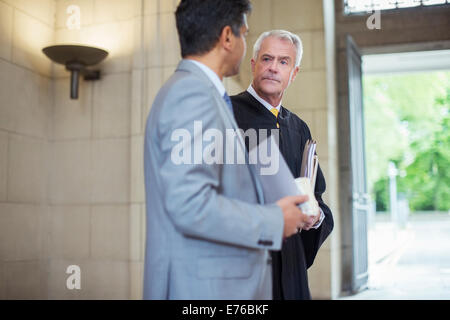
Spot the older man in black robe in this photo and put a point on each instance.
(275, 64)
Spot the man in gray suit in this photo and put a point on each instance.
(208, 231)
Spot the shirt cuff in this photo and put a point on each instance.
(318, 223)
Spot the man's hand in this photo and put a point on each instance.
(294, 219)
(311, 221)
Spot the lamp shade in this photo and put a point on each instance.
(76, 58)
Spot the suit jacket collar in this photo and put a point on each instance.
(186, 65)
(212, 76)
(189, 66)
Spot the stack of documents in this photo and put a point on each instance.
(310, 162)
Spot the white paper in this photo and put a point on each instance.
(309, 208)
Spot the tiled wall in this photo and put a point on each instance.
(25, 105)
(90, 201)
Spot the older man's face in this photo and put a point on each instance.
(274, 67)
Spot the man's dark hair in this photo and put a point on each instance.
(200, 22)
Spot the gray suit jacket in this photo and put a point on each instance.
(208, 234)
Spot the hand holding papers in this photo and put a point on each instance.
(281, 183)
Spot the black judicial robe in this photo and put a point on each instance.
(290, 278)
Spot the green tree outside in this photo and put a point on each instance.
(407, 121)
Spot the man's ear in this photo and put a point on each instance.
(226, 39)
(253, 63)
(294, 74)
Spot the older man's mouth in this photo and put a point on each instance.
(271, 79)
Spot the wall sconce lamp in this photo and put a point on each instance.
(77, 59)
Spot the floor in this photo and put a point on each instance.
(412, 262)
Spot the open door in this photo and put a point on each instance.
(359, 197)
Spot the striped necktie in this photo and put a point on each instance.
(228, 101)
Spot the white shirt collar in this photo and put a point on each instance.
(212, 76)
(261, 100)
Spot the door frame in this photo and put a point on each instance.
(346, 196)
(352, 193)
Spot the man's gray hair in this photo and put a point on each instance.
(280, 34)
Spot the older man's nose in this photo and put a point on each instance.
(273, 67)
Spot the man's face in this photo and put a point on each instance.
(274, 67)
(239, 50)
